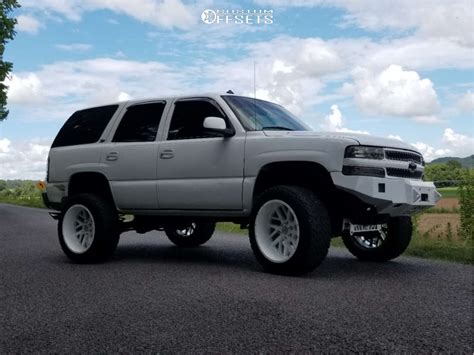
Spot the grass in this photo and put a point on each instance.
(420, 246)
(459, 251)
(449, 191)
(33, 201)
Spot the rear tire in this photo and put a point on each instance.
(397, 239)
(290, 230)
(88, 228)
(191, 234)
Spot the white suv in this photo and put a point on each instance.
(181, 164)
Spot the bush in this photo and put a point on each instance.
(466, 201)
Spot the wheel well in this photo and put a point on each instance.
(94, 183)
(306, 174)
(310, 175)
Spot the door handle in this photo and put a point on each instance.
(112, 156)
(167, 154)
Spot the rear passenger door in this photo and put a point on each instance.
(130, 157)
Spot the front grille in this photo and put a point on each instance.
(404, 173)
(403, 156)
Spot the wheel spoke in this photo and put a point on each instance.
(281, 216)
(277, 231)
(276, 241)
(274, 233)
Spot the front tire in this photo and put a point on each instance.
(88, 228)
(389, 244)
(191, 234)
(290, 230)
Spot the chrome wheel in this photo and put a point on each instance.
(277, 231)
(78, 229)
(187, 231)
(370, 240)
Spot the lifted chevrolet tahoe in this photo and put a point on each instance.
(181, 164)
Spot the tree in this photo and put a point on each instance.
(7, 32)
(454, 164)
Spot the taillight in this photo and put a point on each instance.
(47, 170)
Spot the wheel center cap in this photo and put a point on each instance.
(284, 230)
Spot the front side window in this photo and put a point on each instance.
(188, 118)
(85, 126)
(140, 123)
(257, 115)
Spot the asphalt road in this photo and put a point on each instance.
(154, 297)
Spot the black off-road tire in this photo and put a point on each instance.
(398, 238)
(107, 234)
(202, 232)
(314, 224)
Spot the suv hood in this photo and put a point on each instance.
(362, 139)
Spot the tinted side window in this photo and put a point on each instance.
(188, 118)
(84, 126)
(140, 123)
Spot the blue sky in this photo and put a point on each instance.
(402, 69)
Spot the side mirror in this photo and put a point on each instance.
(218, 125)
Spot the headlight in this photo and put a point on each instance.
(364, 152)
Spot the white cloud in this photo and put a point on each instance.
(431, 119)
(454, 144)
(24, 89)
(165, 13)
(63, 87)
(417, 53)
(466, 102)
(4, 145)
(334, 122)
(123, 96)
(430, 153)
(461, 144)
(28, 24)
(430, 19)
(394, 92)
(74, 47)
(24, 159)
(395, 136)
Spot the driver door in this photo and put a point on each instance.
(197, 169)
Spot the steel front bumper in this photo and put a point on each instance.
(392, 196)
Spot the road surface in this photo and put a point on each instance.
(154, 297)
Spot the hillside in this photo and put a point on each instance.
(467, 162)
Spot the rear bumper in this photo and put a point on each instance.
(54, 195)
(390, 196)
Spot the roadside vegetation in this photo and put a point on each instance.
(444, 232)
(20, 192)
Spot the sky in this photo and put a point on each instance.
(401, 69)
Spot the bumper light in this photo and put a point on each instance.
(363, 171)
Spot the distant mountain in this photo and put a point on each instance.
(467, 162)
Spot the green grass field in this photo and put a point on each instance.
(449, 191)
(33, 201)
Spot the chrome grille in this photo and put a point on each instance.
(404, 173)
(403, 155)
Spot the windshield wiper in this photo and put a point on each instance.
(281, 128)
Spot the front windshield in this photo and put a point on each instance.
(257, 115)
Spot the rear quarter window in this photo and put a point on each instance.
(85, 126)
